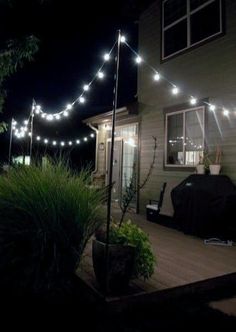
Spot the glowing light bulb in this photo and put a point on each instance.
(26, 122)
(49, 117)
(225, 112)
(29, 134)
(65, 113)
(38, 138)
(58, 116)
(62, 143)
(86, 87)
(193, 101)
(77, 141)
(43, 115)
(156, 77)
(92, 135)
(46, 141)
(70, 143)
(69, 107)
(38, 109)
(138, 59)
(82, 100)
(212, 107)
(25, 129)
(106, 57)
(100, 75)
(175, 90)
(85, 139)
(54, 143)
(122, 39)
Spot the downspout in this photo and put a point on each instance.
(96, 155)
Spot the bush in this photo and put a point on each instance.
(46, 218)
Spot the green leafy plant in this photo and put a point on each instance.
(130, 234)
(47, 216)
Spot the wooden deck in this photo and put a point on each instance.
(183, 262)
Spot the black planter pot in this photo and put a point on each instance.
(120, 265)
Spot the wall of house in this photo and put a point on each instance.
(208, 71)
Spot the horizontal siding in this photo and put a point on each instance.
(208, 71)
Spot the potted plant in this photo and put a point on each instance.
(216, 166)
(129, 256)
(200, 168)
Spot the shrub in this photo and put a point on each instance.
(46, 218)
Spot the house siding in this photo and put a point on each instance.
(208, 71)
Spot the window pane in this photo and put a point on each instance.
(175, 38)
(175, 139)
(194, 131)
(205, 22)
(173, 10)
(196, 3)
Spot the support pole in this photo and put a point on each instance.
(116, 78)
(10, 143)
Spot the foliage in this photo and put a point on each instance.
(13, 56)
(46, 218)
(207, 160)
(130, 233)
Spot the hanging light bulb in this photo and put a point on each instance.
(86, 87)
(46, 141)
(138, 59)
(100, 75)
(26, 122)
(49, 117)
(38, 109)
(193, 101)
(175, 90)
(77, 141)
(106, 57)
(82, 100)
(58, 116)
(54, 143)
(157, 77)
(29, 134)
(62, 143)
(69, 107)
(43, 115)
(92, 135)
(65, 113)
(225, 112)
(38, 138)
(85, 139)
(212, 107)
(70, 143)
(122, 39)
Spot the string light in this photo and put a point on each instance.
(156, 77)
(212, 108)
(138, 59)
(65, 113)
(86, 87)
(82, 100)
(69, 107)
(193, 101)
(122, 39)
(101, 75)
(225, 112)
(106, 57)
(175, 90)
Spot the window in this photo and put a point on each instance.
(187, 23)
(185, 135)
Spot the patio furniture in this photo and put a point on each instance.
(154, 206)
(203, 205)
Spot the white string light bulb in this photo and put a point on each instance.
(86, 87)
(69, 107)
(85, 139)
(82, 100)
(65, 113)
(26, 122)
(70, 143)
(54, 143)
(138, 59)
(58, 116)
(46, 141)
(225, 112)
(106, 57)
(122, 39)
(193, 101)
(92, 135)
(62, 143)
(49, 117)
(100, 75)
(38, 138)
(212, 108)
(156, 77)
(175, 90)
(77, 141)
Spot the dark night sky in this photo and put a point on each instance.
(73, 37)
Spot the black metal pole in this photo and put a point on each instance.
(116, 78)
(31, 128)
(10, 143)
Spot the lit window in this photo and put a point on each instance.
(185, 135)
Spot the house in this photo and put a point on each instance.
(193, 44)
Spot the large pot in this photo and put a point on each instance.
(200, 169)
(120, 265)
(214, 169)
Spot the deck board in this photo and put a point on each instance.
(181, 259)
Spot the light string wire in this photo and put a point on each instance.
(175, 90)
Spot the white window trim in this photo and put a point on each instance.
(184, 130)
(187, 16)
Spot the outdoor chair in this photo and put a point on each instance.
(154, 206)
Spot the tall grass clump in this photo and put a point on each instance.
(47, 216)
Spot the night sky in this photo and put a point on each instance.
(73, 37)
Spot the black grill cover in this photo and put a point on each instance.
(205, 205)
